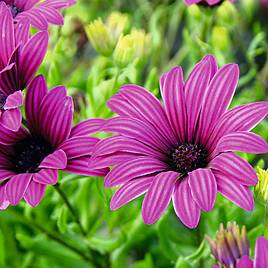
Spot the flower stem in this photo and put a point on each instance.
(70, 207)
(266, 220)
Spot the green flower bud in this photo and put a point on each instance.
(261, 189)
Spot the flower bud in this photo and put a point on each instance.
(261, 189)
(117, 23)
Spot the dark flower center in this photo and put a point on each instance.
(29, 154)
(204, 3)
(14, 10)
(187, 157)
(2, 100)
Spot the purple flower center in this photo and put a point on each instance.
(187, 157)
(3, 99)
(29, 154)
(14, 10)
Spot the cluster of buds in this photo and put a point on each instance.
(108, 39)
(230, 245)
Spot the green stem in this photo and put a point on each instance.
(266, 220)
(70, 207)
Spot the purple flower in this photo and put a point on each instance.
(20, 58)
(204, 2)
(182, 150)
(39, 13)
(231, 249)
(30, 158)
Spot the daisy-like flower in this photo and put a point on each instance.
(231, 249)
(39, 13)
(204, 2)
(182, 150)
(20, 58)
(30, 158)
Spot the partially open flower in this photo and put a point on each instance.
(20, 58)
(231, 249)
(31, 157)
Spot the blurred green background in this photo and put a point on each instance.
(170, 34)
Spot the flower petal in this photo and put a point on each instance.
(16, 187)
(32, 55)
(22, 30)
(172, 91)
(80, 166)
(52, 15)
(235, 192)
(203, 188)
(130, 190)
(6, 174)
(46, 176)
(218, 96)
(195, 87)
(34, 193)
(132, 169)
(87, 127)
(261, 253)
(245, 262)
(158, 196)
(11, 119)
(56, 160)
(9, 137)
(14, 100)
(242, 141)
(184, 205)
(235, 167)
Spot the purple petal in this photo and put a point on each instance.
(11, 119)
(235, 192)
(35, 17)
(34, 193)
(79, 146)
(195, 87)
(56, 160)
(235, 167)
(175, 104)
(203, 188)
(46, 176)
(87, 127)
(148, 108)
(32, 55)
(8, 79)
(184, 205)
(136, 129)
(16, 187)
(130, 191)
(244, 262)
(217, 98)
(241, 118)
(118, 143)
(9, 137)
(7, 40)
(30, 3)
(52, 15)
(34, 96)
(6, 174)
(59, 4)
(80, 166)
(134, 168)
(22, 31)
(14, 100)
(158, 196)
(111, 160)
(261, 253)
(242, 141)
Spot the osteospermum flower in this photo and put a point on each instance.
(182, 150)
(30, 158)
(39, 13)
(20, 58)
(204, 2)
(231, 249)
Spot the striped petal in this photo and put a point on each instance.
(132, 169)
(235, 192)
(235, 167)
(22, 30)
(172, 91)
(56, 160)
(11, 119)
(34, 193)
(16, 187)
(130, 191)
(261, 253)
(244, 262)
(184, 205)
(203, 188)
(52, 15)
(158, 196)
(46, 176)
(14, 100)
